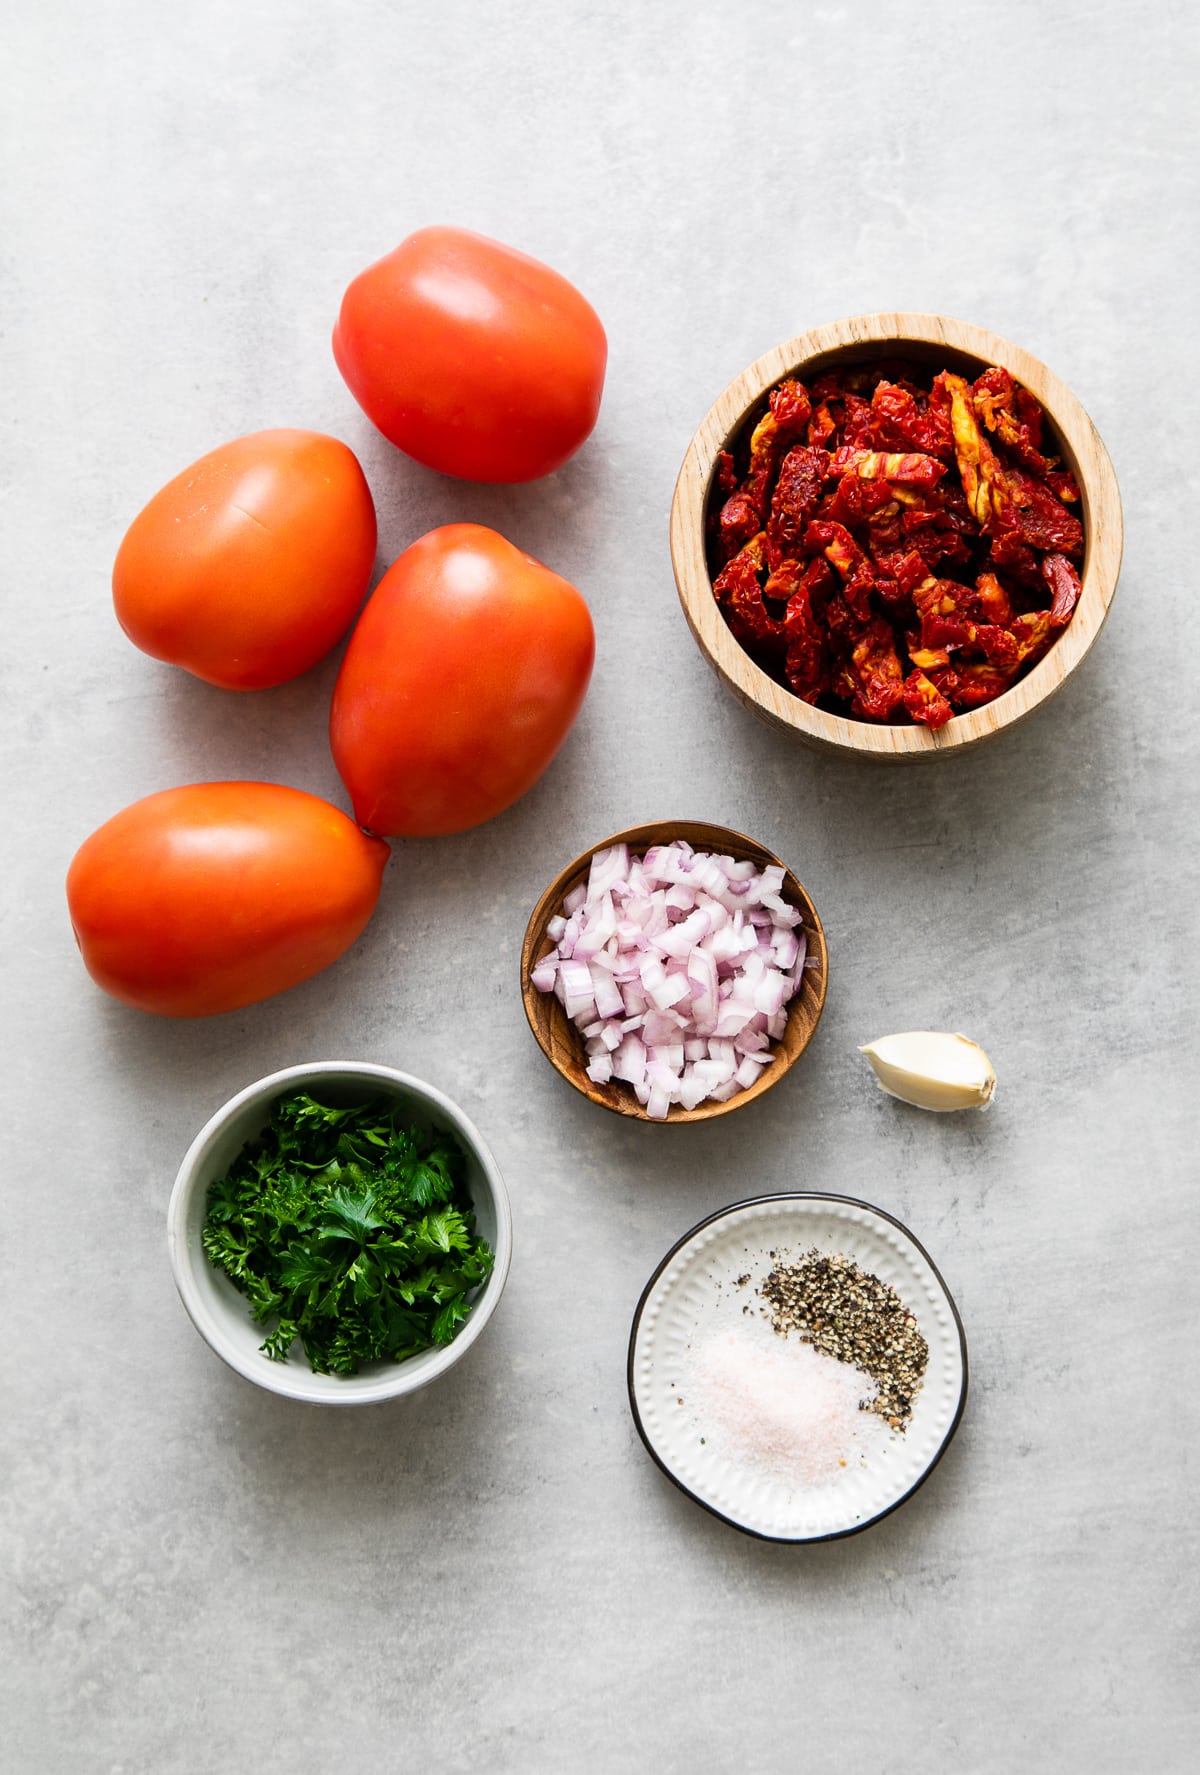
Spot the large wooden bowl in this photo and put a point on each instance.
(942, 344)
(561, 1042)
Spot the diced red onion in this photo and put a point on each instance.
(677, 968)
(545, 974)
(608, 868)
(609, 1002)
(576, 979)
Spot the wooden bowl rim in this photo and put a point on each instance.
(1103, 528)
(702, 835)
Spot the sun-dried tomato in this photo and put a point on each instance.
(785, 419)
(983, 478)
(900, 422)
(990, 603)
(1011, 412)
(856, 427)
(860, 502)
(937, 597)
(875, 672)
(1041, 520)
(947, 634)
(1065, 588)
(903, 567)
(739, 521)
(935, 537)
(745, 509)
(739, 592)
(1063, 485)
(824, 424)
(1033, 634)
(878, 465)
(795, 499)
(806, 666)
(725, 474)
(1007, 554)
(978, 684)
(843, 553)
(811, 593)
(925, 702)
(827, 385)
(890, 541)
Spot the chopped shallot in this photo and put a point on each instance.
(677, 969)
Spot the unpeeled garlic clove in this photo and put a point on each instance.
(931, 1070)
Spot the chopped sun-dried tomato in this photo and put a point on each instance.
(1011, 412)
(739, 592)
(925, 702)
(898, 422)
(1033, 634)
(1016, 560)
(984, 481)
(725, 474)
(881, 465)
(856, 427)
(860, 502)
(891, 541)
(842, 552)
(1041, 520)
(745, 509)
(1061, 577)
(978, 684)
(875, 671)
(739, 521)
(991, 603)
(825, 423)
(802, 476)
(806, 667)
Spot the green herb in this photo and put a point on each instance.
(350, 1229)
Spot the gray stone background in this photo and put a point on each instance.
(202, 1577)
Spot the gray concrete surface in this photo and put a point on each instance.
(200, 1577)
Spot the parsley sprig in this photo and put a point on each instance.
(350, 1229)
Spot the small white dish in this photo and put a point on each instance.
(704, 1288)
(222, 1316)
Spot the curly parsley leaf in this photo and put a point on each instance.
(350, 1228)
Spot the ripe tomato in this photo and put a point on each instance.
(249, 566)
(460, 683)
(207, 898)
(472, 357)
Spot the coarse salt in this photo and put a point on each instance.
(784, 1407)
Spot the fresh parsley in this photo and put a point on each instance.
(350, 1229)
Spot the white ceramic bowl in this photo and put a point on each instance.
(222, 1316)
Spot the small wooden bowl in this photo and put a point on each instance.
(942, 344)
(561, 1042)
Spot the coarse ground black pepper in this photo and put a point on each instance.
(828, 1301)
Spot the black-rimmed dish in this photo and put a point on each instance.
(705, 1295)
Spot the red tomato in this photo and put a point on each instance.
(472, 357)
(249, 566)
(207, 898)
(460, 683)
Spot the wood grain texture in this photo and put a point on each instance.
(557, 1036)
(944, 344)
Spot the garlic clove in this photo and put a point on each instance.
(932, 1070)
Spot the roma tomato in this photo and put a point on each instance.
(210, 897)
(460, 682)
(249, 566)
(472, 357)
